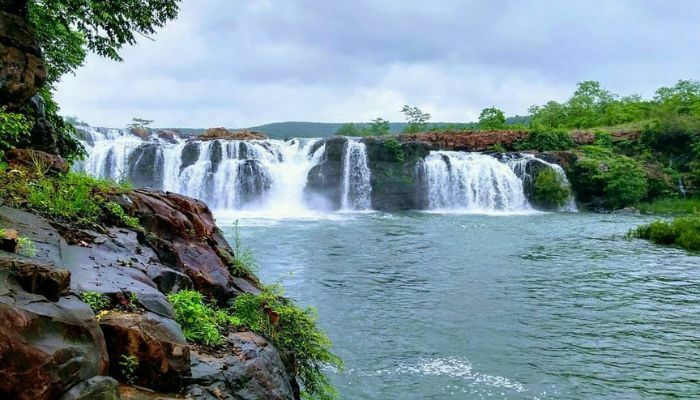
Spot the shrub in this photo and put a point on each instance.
(71, 197)
(550, 190)
(200, 322)
(244, 262)
(96, 301)
(12, 127)
(292, 330)
(546, 140)
(394, 148)
(682, 231)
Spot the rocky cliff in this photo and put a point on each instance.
(53, 346)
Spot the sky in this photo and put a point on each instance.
(241, 63)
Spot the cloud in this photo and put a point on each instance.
(242, 63)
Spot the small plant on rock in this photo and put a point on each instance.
(96, 301)
(128, 364)
(244, 262)
(201, 323)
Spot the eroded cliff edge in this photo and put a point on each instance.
(53, 346)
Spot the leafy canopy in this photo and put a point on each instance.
(67, 29)
(492, 119)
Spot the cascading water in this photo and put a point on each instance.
(472, 182)
(227, 174)
(519, 165)
(357, 188)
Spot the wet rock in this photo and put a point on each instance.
(28, 158)
(96, 388)
(45, 347)
(168, 135)
(22, 69)
(225, 134)
(324, 181)
(464, 140)
(35, 276)
(145, 166)
(253, 371)
(190, 154)
(156, 342)
(9, 240)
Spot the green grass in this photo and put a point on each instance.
(71, 197)
(673, 206)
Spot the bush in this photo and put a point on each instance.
(72, 197)
(96, 301)
(682, 231)
(550, 190)
(200, 322)
(293, 331)
(12, 127)
(612, 180)
(546, 140)
(394, 148)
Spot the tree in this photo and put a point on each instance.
(416, 118)
(586, 107)
(379, 127)
(348, 129)
(140, 123)
(67, 29)
(681, 98)
(492, 119)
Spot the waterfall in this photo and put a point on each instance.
(356, 189)
(472, 182)
(519, 164)
(227, 174)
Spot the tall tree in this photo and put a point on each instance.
(491, 119)
(416, 118)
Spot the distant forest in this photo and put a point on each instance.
(282, 130)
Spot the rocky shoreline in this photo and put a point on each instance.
(53, 346)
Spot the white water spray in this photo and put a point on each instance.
(356, 189)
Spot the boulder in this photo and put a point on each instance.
(225, 134)
(22, 69)
(145, 166)
(324, 181)
(9, 240)
(45, 347)
(157, 343)
(95, 388)
(36, 159)
(253, 370)
(35, 276)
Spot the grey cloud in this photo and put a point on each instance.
(239, 63)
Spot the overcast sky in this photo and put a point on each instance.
(239, 63)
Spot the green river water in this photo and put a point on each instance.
(449, 306)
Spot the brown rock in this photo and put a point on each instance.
(157, 343)
(45, 347)
(225, 134)
(22, 69)
(36, 159)
(185, 236)
(36, 276)
(9, 240)
(465, 140)
(143, 133)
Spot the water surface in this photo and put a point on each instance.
(540, 306)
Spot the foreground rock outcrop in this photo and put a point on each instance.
(53, 346)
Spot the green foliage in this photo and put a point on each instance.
(498, 148)
(292, 330)
(546, 140)
(394, 148)
(613, 180)
(140, 123)
(200, 322)
(71, 197)
(63, 135)
(26, 247)
(378, 127)
(128, 364)
(96, 301)
(349, 130)
(12, 128)
(416, 118)
(118, 212)
(244, 263)
(550, 190)
(492, 119)
(682, 231)
(65, 28)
